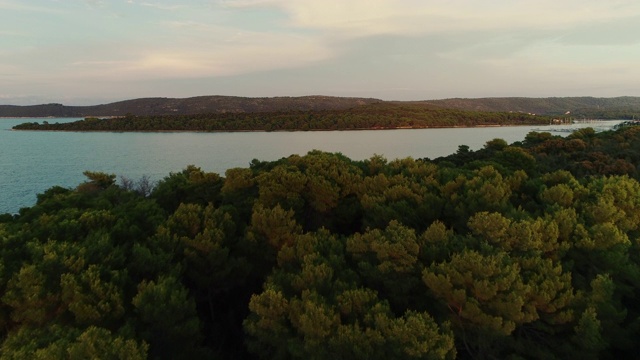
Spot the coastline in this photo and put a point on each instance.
(283, 130)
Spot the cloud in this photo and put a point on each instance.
(195, 40)
(392, 45)
(189, 42)
(190, 50)
(230, 55)
(416, 17)
(161, 6)
(21, 7)
(621, 31)
(11, 33)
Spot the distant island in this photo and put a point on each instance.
(308, 113)
(380, 115)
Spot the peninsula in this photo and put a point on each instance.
(370, 116)
(228, 113)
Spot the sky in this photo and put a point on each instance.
(86, 52)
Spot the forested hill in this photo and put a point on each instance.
(625, 107)
(385, 115)
(193, 105)
(589, 107)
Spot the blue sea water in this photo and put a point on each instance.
(33, 161)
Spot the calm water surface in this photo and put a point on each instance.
(33, 161)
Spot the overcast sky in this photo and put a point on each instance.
(90, 51)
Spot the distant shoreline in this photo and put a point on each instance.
(279, 130)
(580, 106)
(52, 117)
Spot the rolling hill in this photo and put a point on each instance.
(625, 107)
(186, 106)
(577, 106)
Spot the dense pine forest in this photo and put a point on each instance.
(372, 116)
(516, 251)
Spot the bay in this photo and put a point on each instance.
(33, 161)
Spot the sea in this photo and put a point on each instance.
(34, 161)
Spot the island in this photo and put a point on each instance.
(382, 115)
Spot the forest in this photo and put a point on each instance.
(371, 116)
(527, 250)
